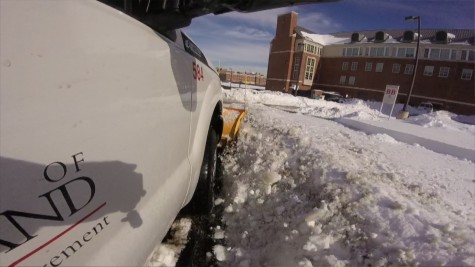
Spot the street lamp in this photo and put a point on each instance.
(418, 18)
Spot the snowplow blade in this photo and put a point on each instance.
(232, 118)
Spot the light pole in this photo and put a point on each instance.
(418, 18)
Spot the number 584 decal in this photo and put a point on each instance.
(198, 72)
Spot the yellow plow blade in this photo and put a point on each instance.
(232, 118)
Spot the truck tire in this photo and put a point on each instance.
(203, 199)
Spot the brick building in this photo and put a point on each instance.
(361, 64)
(250, 78)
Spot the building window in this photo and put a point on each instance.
(467, 74)
(342, 79)
(344, 66)
(380, 52)
(379, 67)
(394, 52)
(428, 70)
(464, 55)
(309, 68)
(426, 53)
(453, 55)
(310, 48)
(351, 80)
(410, 52)
(297, 60)
(297, 64)
(352, 51)
(368, 66)
(471, 55)
(434, 53)
(444, 54)
(373, 51)
(299, 47)
(401, 52)
(396, 68)
(409, 69)
(405, 52)
(295, 75)
(354, 66)
(366, 51)
(444, 72)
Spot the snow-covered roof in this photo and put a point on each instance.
(428, 36)
(456, 36)
(324, 39)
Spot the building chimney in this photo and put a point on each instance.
(286, 24)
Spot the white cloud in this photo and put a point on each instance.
(233, 54)
(266, 19)
(235, 42)
(241, 41)
(318, 22)
(242, 32)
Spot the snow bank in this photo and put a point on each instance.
(302, 191)
(445, 120)
(167, 253)
(365, 116)
(352, 108)
(458, 143)
(304, 105)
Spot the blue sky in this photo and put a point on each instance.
(241, 40)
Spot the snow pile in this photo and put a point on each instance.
(166, 254)
(261, 97)
(354, 108)
(230, 85)
(365, 116)
(441, 119)
(301, 191)
(351, 108)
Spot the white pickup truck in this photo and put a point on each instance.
(109, 119)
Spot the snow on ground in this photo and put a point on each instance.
(229, 85)
(167, 253)
(312, 183)
(303, 191)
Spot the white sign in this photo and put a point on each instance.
(390, 94)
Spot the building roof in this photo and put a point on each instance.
(460, 36)
(323, 39)
(300, 29)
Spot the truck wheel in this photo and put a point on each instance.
(203, 199)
